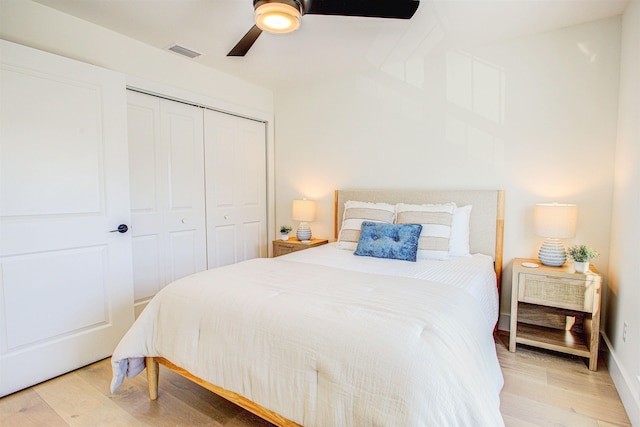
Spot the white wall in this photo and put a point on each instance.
(41, 27)
(535, 116)
(624, 271)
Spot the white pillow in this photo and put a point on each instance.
(459, 242)
(436, 223)
(355, 213)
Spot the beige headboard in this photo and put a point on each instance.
(487, 216)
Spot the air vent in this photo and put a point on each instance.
(183, 51)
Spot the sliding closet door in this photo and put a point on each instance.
(66, 295)
(167, 192)
(235, 158)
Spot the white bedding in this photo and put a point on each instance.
(326, 346)
(475, 274)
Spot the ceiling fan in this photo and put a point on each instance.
(283, 16)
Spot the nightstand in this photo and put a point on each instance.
(283, 247)
(556, 308)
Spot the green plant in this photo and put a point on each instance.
(285, 229)
(581, 253)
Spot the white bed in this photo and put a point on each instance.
(325, 338)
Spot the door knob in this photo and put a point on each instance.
(122, 228)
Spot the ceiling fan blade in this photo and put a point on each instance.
(246, 42)
(399, 9)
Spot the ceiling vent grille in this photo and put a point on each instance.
(183, 51)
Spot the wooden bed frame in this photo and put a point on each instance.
(153, 372)
(486, 236)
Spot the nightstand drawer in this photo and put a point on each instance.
(283, 247)
(572, 294)
(289, 247)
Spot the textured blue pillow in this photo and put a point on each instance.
(396, 241)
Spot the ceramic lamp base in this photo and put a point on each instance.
(552, 253)
(304, 232)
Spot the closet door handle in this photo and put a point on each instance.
(122, 228)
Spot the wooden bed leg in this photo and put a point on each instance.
(153, 371)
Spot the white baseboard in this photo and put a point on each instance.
(139, 306)
(625, 383)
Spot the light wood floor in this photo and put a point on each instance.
(541, 389)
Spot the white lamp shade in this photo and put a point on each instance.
(304, 210)
(555, 220)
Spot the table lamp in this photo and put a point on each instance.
(554, 221)
(304, 211)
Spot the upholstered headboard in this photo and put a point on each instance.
(487, 216)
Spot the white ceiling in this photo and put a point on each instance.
(326, 46)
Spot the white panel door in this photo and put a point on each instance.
(235, 169)
(166, 163)
(66, 294)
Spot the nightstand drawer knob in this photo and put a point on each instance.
(226, 217)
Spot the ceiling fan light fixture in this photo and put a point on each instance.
(278, 18)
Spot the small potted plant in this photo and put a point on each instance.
(284, 231)
(581, 255)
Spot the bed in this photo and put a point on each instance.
(322, 337)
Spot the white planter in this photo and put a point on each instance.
(581, 267)
(284, 236)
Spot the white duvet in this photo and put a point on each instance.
(475, 274)
(325, 346)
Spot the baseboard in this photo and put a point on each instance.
(625, 383)
(504, 322)
(139, 306)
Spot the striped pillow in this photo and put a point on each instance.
(436, 227)
(357, 212)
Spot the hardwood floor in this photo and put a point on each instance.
(541, 389)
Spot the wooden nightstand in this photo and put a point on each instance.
(282, 247)
(556, 308)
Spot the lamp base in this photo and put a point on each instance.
(552, 253)
(304, 232)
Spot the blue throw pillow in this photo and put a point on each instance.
(395, 241)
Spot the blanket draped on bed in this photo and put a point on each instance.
(323, 346)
